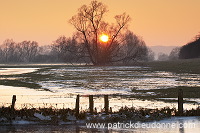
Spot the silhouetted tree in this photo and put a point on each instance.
(133, 49)
(27, 51)
(8, 51)
(65, 49)
(11, 51)
(89, 23)
(191, 50)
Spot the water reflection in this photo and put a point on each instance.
(67, 82)
(30, 98)
(115, 78)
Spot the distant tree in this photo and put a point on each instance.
(64, 49)
(151, 55)
(43, 54)
(174, 54)
(190, 50)
(1, 55)
(27, 51)
(163, 57)
(8, 51)
(132, 49)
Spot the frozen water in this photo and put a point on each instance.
(69, 81)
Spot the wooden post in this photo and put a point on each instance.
(13, 102)
(91, 103)
(106, 104)
(180, 102)
(77, 105)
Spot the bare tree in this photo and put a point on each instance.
(8, 51)
(64, 49)
(27, 51)
(89, 22)
(133, 49)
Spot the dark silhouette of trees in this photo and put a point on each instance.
(90, 25)
(26, 51)
(191, 50)
(72, 50)
(11, 51)
(65, 49)
(85, 46)
(8, 51)
(133, 49)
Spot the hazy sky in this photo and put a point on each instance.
(159, 22)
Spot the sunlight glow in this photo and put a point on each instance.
(104, 38)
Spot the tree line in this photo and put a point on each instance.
(70, 50)
(187, 51)
(191, 49)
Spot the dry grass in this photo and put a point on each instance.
(177, 66)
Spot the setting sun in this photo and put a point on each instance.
(104, 38)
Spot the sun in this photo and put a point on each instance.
(104, 38)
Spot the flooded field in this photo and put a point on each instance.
(57, 86)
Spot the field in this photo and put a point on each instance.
(177, 66)
(151, 84)
(148, 91)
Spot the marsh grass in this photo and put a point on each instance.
(7, 115)
(156, 94)
(176, 66)
(18, 83)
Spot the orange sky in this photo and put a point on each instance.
(159, 22)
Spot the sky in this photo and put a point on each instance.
(158, 22)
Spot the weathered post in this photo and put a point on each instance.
(180, 102)
(13, 102)
(106, 104)
(77, 105)
(91, 103)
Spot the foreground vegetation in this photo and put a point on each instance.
(168, 94)
(67, 116)
(53, 115)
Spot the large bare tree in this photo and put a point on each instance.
(89, 22)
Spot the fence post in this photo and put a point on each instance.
(91, 103)
(106, 104)
(13, 102)
(180, 102)
(77, 105)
